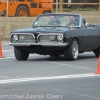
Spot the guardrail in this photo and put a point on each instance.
(61, 3)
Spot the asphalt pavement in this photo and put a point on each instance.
(47, 78)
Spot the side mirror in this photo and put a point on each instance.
(87, 24)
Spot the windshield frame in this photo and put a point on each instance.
(54, 14)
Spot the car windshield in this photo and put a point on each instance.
(57, 20)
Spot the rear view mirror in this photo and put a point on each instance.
(87, 24)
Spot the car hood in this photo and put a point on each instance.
(44, 30)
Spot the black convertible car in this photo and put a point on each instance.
(55, 35)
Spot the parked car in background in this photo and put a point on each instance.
(55, 35)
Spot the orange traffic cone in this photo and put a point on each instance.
(98, 69)
(0, 50)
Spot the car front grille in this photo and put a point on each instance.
(47, 38)
(31, 38)
(28, 38)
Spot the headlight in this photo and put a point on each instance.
(59, 37)
(15, 37)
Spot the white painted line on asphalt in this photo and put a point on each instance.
(6, 58)
(48, 78)
(6, 44)
(70, 65)
(3, 76)
(85, 63)
(7, 50)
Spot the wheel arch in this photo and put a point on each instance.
(76, 39)
(47, 11)
(71, 42)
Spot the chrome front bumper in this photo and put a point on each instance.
(41, 44)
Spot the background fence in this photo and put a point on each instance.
(59, 4)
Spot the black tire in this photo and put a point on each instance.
(21, 55)
(69, 52)
(97, 52)
(22, 7)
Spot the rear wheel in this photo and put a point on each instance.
(72, 52)
(97, 52)
(22, 11)
(21, 55)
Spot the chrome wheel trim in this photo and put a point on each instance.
(75, 51)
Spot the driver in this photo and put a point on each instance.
(52, 21)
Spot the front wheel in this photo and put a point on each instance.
(21, 55)
(72, 52)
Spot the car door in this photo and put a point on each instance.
(89, 37)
